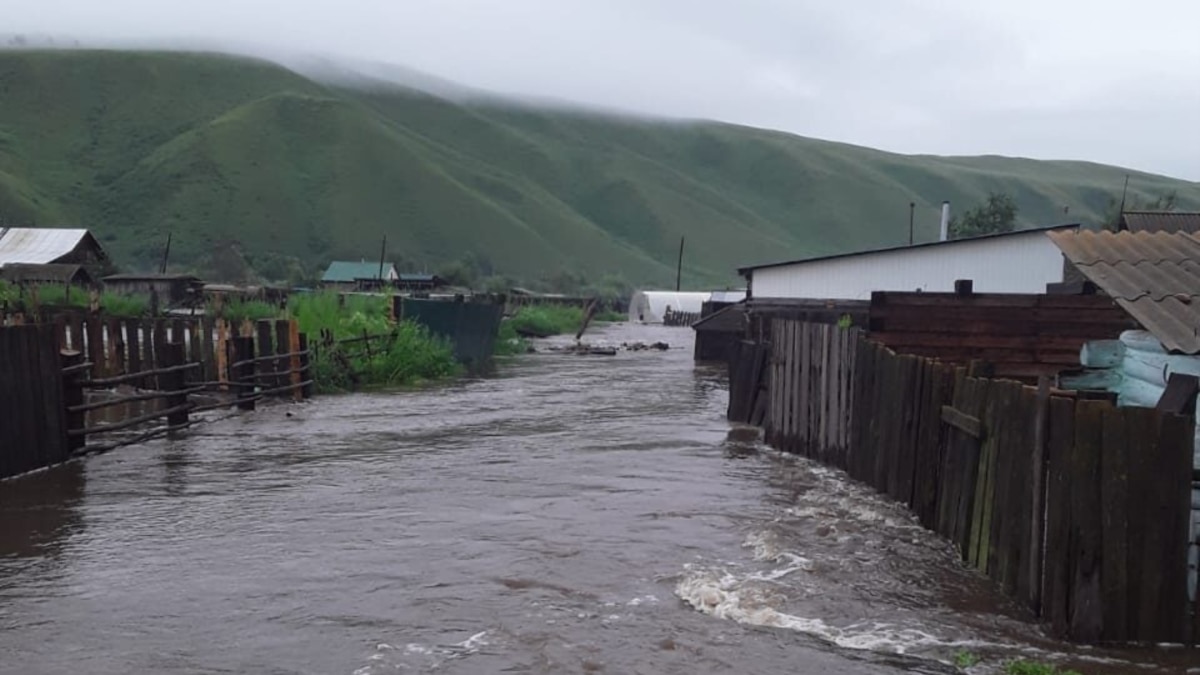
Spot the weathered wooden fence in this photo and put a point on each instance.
(1076, 507)
(86, 383)
(32, 415)
(676, 319)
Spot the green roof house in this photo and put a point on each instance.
(354, 275)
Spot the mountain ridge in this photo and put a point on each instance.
(218, 148)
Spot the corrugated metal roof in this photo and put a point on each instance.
(342, 271)
(1162, 221)
(37, 245)
(1155, 276)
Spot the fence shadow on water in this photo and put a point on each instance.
(1075, 507)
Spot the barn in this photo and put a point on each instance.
(1024, 261)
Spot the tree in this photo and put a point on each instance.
(998, 214)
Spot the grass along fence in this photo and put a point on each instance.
(359, 344)
(1076, 507)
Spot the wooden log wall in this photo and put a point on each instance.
(1023, 336)
(1075, 507)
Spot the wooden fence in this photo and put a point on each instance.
(63, 380)
(1075, 507)
(677, 319)
(32, 415)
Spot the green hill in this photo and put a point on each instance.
(218, 149)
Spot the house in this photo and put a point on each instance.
(418, 283)
(359, 276)
(1024, 261)
(1155, 277)
(52, 273)
(45, 245)
(1160, 221)
(172, 290)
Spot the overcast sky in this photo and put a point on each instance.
(1104, 80)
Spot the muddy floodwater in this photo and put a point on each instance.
(572, 514)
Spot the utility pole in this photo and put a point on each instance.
(382, 255)
(679, 267)
(912, 207)
(162, 268)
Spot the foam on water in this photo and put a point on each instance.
(389, 658)
(747, 598)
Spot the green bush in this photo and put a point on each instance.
(508, 342)
(406, 354)
(964, 659)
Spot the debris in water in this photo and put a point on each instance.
(584, 348)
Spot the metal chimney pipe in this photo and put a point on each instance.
(945, 221)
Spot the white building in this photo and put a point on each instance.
(1012, 262)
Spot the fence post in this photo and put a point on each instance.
(305, 368)
(265, 346)
(293, 364)
(242, 373)
(73, 396)
(1041, 433)
(172, 355)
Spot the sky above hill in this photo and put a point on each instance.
(1101, 80)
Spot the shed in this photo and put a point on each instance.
(1024, 261)
(418, 282)
(1155, 276)
(53, 273)
(719, 331)
(1160, 221)
(171, 289)
(46, 245)
(652, 306)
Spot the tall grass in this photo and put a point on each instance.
(547, 320)
(8, 294)
(405, 353)
(238, 310)
(61, 295)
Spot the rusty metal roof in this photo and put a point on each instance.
(38, 245)
(1161, 221)
(1155, 276)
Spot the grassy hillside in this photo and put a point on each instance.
(216, 150)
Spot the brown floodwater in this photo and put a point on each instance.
(571, 514)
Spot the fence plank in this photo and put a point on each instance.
(264, 345)
(282, 346)
(1084, 465)
(94, 328)
(196, 353)
(1161, 610)
(1114, 500)
(133, 344)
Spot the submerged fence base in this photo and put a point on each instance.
(1076, 507)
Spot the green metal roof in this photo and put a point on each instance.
(342, 271)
